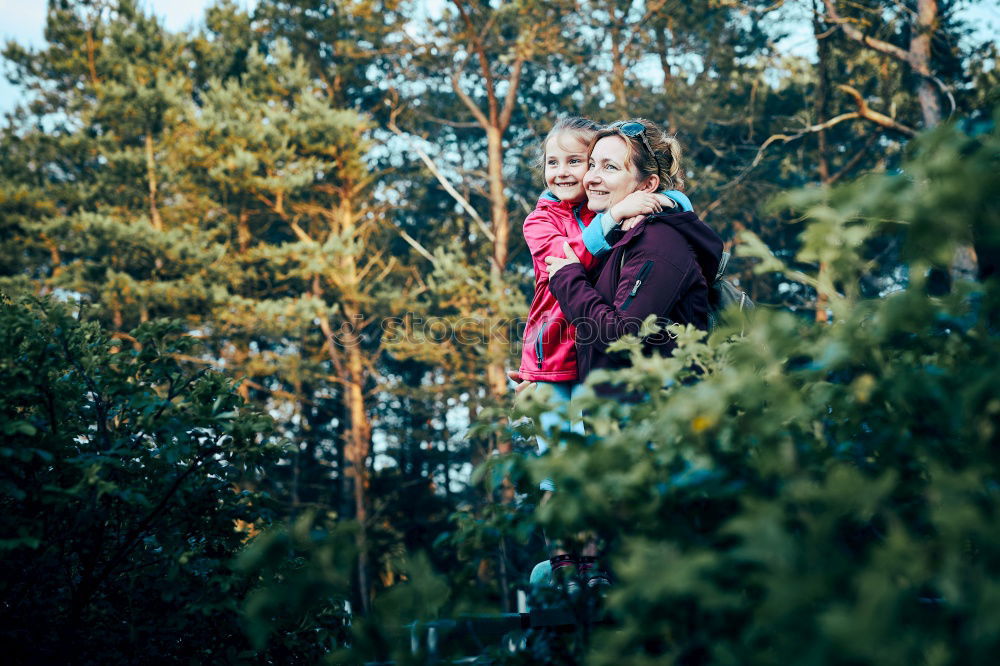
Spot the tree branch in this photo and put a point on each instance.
(450, 123)
(448, 187)
(99, 404)
(278, 208)
(368, 267)
(946, 91)
(417, 246)
(853, 162)
(134, 537)
(864, 112)
(469, 103)
(876, 44)
(871, 115)
(475, 40)
(511, 99)
(281, 393)
(785, 138)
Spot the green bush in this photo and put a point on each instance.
(123, 473)
(818, 493)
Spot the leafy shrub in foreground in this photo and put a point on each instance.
(822, 494)
(120, 482)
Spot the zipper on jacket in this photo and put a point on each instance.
(539, 350)
(643, 272)
(576, 215)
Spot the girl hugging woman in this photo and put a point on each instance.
(562, 215)
(566, 222)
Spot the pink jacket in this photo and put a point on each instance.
(549, 352)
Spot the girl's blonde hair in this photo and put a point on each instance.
(659, 154)
(583, 129)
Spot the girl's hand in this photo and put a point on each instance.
(666, 201)
(639, 203)
(630, 222)
(554, 263)
(522, 384)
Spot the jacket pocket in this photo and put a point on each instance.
(639, 279)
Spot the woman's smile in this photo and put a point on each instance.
(610, 177)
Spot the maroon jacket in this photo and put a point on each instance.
(662, 266)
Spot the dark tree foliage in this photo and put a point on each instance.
(124, 497)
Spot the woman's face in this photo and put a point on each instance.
(611, 176)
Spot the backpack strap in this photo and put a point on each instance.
(723, 263)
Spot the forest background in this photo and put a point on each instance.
(295, 231)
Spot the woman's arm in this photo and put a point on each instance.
(650, 282)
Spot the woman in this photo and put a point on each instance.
(660, 265)
(663, 265)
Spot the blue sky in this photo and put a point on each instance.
(24, 20)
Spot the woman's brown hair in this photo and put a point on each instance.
(652, 151)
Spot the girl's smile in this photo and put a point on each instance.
(565, 166)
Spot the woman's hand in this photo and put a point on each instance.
(639, 203)
(554, 263)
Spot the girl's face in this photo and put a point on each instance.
(611, 177)
(565, 165)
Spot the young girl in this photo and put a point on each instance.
(561, 215)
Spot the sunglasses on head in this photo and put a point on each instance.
(633, 129)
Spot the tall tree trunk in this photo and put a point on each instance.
(498, 201)
(617, 66)
(243, 230)
(357, 452)
(494, 121)
(154, 211)
(91, 60)
(356, 441)
(920, 59)
(661, 51)
(341, 501)
(447, 468)
(496, 376)
(296, 478)
(822, 164)
(964, 262)
(917, 57)
(822, 90)
(662, 37)
(359, 431)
